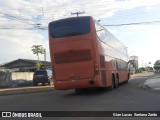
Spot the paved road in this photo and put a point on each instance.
(128, 97)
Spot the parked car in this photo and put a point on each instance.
(41, 76)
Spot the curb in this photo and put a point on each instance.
(145, 86)
(148, 87)
(25, 90)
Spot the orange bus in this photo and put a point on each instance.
(85, 55)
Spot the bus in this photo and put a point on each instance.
(85, 55)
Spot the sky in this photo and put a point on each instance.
(24, 23)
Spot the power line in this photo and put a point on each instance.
(7, 6)
(138, 23)
(23, 28)
(14, 17)
(101, 7)
(66, 9)
(20, 20)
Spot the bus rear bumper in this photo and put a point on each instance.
(74, 84)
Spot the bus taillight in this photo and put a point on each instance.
(96, 69)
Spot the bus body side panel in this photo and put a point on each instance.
(111, 64)
(110, 67)
(104, 78)
(123, 75)
(97, 50)
(109, 70)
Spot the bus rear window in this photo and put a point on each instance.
(70, 27)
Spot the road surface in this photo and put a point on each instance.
(127, 97)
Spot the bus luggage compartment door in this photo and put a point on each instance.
(103, 71)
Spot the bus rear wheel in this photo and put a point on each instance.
(112, 86)
(116, 82)
(78, 90)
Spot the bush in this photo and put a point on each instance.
(142, 69)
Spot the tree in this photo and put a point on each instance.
(142, 69)
(150, 69)
(157, 66)
(38, 49)
(38, 64)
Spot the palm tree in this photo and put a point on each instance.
(37, 49)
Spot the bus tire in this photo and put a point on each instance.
(116, 81)
(77, 90)
(128, 76)
(126, 82)
(112, 86)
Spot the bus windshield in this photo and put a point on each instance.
(69, 27)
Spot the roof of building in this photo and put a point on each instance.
(20, 63)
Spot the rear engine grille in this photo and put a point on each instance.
(72, 56)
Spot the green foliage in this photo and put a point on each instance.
(142, 69)
(37, 49)
(38, 64)
(157, 65)
(148, 68)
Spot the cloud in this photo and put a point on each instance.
(143, 40)
(16, 42)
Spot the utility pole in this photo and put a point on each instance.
(77, 13)
(142, 63)
(19, 12)
(42, 11)
(45, 58)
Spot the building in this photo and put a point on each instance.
(24, 65)
(133, 67)
(135, 60)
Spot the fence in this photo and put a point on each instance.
(5, 79)
(22, 78)
(28, 76)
